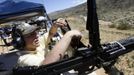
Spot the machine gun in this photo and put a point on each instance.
(86, 59)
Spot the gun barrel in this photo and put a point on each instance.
(117, 48)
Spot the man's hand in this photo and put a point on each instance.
(60, 22)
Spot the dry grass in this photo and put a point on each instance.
(112, 34)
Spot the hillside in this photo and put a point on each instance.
(73, 11)
(116, 4)
(115, 10)
(108, 10)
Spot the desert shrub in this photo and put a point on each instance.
(112, 26)
(123, 25)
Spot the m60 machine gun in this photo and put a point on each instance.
(86, 59)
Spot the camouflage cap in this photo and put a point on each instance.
(27, 28)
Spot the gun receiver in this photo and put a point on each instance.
(117, 48)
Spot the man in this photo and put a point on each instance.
(41, 56)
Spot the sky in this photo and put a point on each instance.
(55, 5)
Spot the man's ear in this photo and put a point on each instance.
(18, 40)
